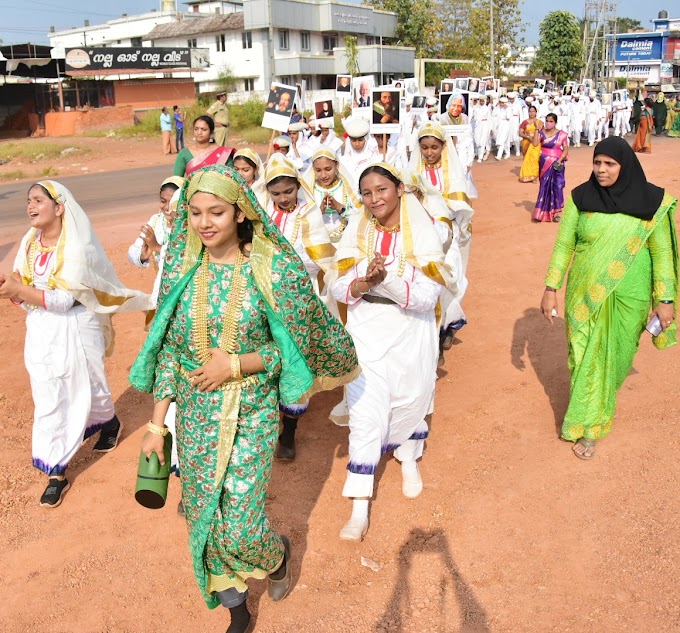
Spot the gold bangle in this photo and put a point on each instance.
(157, 430)
(235, 362)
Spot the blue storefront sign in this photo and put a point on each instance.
(646, 48)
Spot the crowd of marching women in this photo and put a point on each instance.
(324, 266)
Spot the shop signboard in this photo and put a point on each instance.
(140, 58)
(638, 48)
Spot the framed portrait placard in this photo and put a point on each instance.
(279, 107)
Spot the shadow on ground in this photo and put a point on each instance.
(546, 348)
(447, 587)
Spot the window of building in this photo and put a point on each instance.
(285, 79)
(305, 41)
(283, 39)
(249, 85)
(221, 42)
(195, 8)
(370, 40)
(247, 39)
(330, 41)
(135, 41)
(191, 43)
(308, 82)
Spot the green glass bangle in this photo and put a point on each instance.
(665, 301)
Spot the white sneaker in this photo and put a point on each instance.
(354, 530)
(498, 157)
(412, 484)
(479, 160)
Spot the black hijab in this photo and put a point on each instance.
(631, 194)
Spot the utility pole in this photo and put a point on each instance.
(493, 53)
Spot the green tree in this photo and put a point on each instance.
(623, 25)
(226, 79)
(507, 34)
(560, 52)
(416, 23)
(351, 55)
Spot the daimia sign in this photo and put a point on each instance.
(645, 48)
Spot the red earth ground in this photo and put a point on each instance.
(511, 533)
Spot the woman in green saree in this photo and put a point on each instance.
(620, 231)
(238, 327)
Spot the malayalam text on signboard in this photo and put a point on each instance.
(135, 58)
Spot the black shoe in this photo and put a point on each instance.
(285, 453)
(54, 493)
(278, 589)
(109, 436)
(241, 620)
(180, 509)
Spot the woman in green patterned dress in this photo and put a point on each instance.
(620, 230)
(238, 327)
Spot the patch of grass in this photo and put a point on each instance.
(256, 135)
(35, 150)
(242, 117)
(17, 174)
(49, 171)
(96, 133)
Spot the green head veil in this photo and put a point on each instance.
(317, 352)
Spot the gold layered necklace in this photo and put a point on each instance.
(370, 246)
(199, 331)
(35, 248)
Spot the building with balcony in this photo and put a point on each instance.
(254, 42)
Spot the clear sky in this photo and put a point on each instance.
(29, 21)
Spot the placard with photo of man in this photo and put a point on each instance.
(386, 113)
(476, 85)
(446, 85)
(461, 83)
(323, 109)
(279, 107)
(343, 86)
(362, 89)
(489, 83)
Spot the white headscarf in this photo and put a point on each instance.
(82, 268)
(422, 246)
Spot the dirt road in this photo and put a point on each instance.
(511, 534)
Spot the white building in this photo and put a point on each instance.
(521, 65)
(257, 41)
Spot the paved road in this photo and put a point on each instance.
(110, 193)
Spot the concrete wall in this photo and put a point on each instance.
(154, 95)
(77, 122)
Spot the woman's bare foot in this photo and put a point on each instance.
(584, 449)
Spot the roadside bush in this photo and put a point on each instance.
(246, 115)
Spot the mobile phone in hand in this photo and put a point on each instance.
(654, 326)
